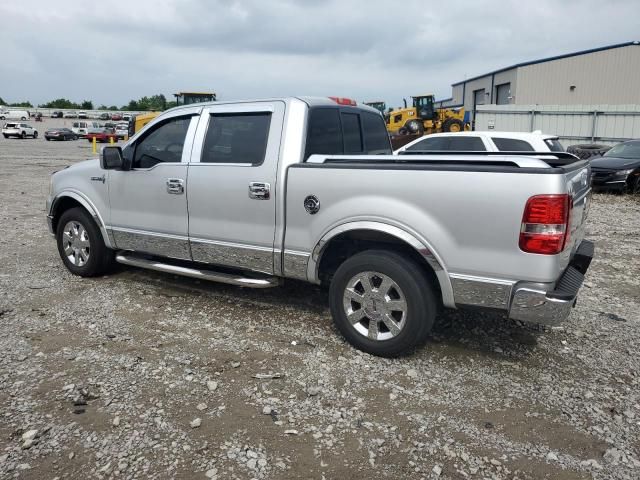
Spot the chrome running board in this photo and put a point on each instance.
(213, 276)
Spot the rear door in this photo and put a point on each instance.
(232, 194)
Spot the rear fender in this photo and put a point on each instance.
(421, 246)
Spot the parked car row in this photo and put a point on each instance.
(84, 115)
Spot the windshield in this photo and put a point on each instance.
(625, 150)
(422, 101)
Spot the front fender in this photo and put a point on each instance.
(55, 202)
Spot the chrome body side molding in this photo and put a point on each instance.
(481, 291)
(235, 255)
(171, 246)
(295, 264)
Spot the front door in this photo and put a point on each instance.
(232, 194)
(149, 201)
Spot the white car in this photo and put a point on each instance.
(122, 130)
(70, 114)
(82, 114)
(486, 141)
(19, 130)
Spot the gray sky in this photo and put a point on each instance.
(111, 52)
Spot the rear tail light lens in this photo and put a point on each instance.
(545, 224)
(344, 101)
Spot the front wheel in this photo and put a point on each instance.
(80, 244)
(382, 302)
(415, 126)
(23, 135)
(35, 134)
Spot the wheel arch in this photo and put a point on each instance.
(352, 237)
(69, 199)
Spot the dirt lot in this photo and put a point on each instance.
(144, 375)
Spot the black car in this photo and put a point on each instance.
(60, 134)
(56, 114)
(618, 169)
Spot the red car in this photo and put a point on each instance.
(102, 135)
(116, 116)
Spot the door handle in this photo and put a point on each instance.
(259, 191)
(175, 186)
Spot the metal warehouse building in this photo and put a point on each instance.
(607, 76)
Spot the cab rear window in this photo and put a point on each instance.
(336, 131)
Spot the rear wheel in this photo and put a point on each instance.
(382, 302)
(80, 244)
(23, 135)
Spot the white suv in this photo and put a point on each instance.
(20, 130)
(488, 141)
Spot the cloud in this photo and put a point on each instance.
(372, 49)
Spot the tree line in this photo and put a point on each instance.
(153, 103)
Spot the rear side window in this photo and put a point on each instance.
(433, 143)
(466, 144)
(324, 134)
(376, 138)
(512, 145)
(554, 145)
(351, 132)
(237, 138)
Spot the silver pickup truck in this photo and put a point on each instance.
(251, 193)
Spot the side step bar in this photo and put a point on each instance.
(210, 275)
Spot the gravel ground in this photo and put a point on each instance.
(146, 375)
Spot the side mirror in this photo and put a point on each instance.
(111, 158)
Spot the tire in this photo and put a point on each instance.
(404, 279)
(93, 260)
(633, 185)
(415, 126)
(23, 118)
(35, 134)
(588, 150)
(23, 135)
(5, 136)
(453, 125)
(47, 139)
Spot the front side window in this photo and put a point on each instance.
(237, 138)
(162, 144)
(512, 145)
(466, 144)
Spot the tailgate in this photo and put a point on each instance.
(578, 184)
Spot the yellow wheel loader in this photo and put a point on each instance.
(423, 118)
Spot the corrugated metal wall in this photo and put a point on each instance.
(608, 124)
(608, 76)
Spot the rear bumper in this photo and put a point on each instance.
(550, 307)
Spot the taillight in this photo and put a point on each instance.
(545, 224)
(344, 101)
